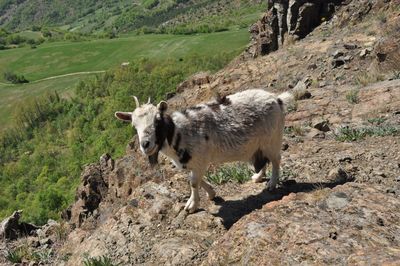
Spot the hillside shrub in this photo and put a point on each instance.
(15, 78)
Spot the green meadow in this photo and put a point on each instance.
(50, 60)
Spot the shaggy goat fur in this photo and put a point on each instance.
(246, 126)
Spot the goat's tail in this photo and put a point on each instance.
(286, 99)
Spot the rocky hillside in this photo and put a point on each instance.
(339, 196)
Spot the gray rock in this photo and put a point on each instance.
(321, 125)
(337, 200)
(315, 134)
(339, 175)
(364, 52)
(46, 241)
(350, 46)
(337, 54)
(11, 228)
(337, 62)
(348, 58)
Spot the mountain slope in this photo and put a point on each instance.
(108, 15)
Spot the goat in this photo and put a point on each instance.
(246, 126)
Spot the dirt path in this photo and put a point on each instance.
(59, 76)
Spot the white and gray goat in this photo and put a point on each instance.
(246, 126)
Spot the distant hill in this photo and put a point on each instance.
(91, 16)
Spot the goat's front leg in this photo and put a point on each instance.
(194, 200)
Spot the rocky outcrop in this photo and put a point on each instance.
(350, 224)
(90, 193)
(11, 228)
(288, 19)
(110, 183)
(387, 49)
(265, 34)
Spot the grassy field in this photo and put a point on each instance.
(60, 58)
(52, 59)
(11, 96)
(30, 34)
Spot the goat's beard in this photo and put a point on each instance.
(153, 158)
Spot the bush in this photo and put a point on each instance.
(36, 28)
(46, 33)
(14, 78)
(15, 39)
(352, 96)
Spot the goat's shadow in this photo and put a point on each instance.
(232, 210)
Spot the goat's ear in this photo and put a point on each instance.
(124, 116)
(162, 106)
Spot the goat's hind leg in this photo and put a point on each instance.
(258, 177)
(208, 188)
(260, 162)
(275, 173)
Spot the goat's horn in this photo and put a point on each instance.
(136, 101)
(149, 101)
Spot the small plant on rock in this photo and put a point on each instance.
(61, 231)
(14, 256)
(376, 120)
(396, 75)
(98, 261)
(239, 173)
(354, 134)
(352, 96)
(297, 130)
(366, 78)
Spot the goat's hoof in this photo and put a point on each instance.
(271, 185)
(257, 178)
(211, 195)
(191, 206)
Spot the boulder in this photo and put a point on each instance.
(11, 228)
(265, 34)
(321, 125)
(349, 224)
(89, 194)
(294, 18)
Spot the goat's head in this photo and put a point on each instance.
(153, 127)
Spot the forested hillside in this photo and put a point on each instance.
(89, 16)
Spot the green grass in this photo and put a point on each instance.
(14, 256)
(354, 134)
(53, 59)
(35, 35)
(12, 95)
(352, 96)
(98, 261)
(238, 172)
(59, 58)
